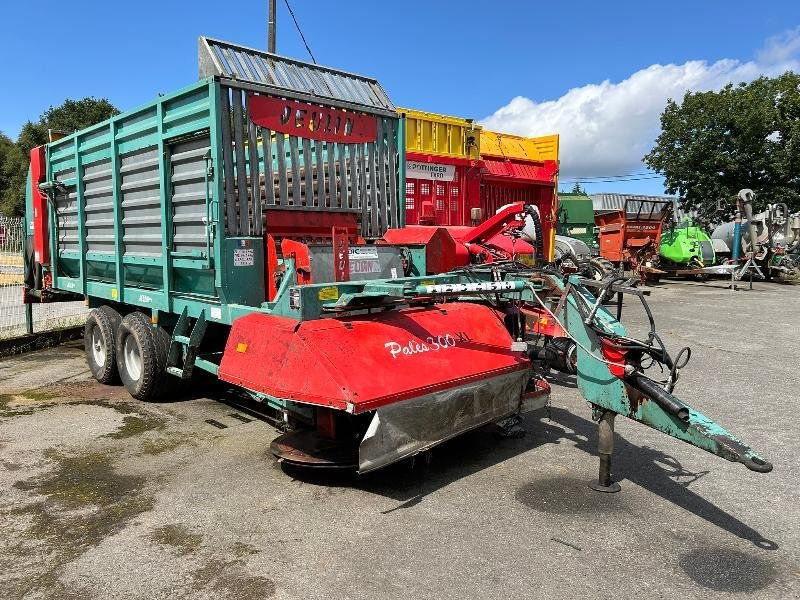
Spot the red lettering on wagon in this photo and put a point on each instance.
(310, 121)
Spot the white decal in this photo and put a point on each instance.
(243, 257)
(431, 344)
(483, 286)
(216, 312)
(145, 299)
(365, 266)
(362, 252)
(430, 171)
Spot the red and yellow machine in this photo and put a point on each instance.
(459, 174)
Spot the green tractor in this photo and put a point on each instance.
(685, 246)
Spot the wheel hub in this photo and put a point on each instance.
(98, 347)
(133, 358)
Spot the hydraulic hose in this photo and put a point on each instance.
(659, 395)
(537, 227)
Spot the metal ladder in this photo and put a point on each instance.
(183, 348)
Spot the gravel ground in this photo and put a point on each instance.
(104, 497)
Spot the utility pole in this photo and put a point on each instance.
(271, 28)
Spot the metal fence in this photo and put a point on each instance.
(14, 321)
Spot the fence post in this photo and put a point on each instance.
(29, 319)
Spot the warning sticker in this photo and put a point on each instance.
(243, 257)
(329, 293)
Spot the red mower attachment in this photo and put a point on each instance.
(399, 382)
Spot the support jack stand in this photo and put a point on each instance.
(748, 269)
(605, 447)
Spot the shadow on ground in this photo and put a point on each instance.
(659, 473)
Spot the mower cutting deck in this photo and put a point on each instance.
(400, 381)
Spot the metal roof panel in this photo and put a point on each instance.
(232, 61)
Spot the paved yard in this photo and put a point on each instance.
(104, 497)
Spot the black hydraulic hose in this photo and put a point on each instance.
(657, 394)
(537, 227)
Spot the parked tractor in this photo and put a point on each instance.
(250, 226)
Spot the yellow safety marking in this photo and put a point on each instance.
(329, 293)
(241, 347)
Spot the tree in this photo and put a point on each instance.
(6, 147)
(71, 116)
(715, 143)
(577, 189)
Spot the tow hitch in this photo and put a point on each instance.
(614, 373)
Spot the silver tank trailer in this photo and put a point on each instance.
(784, 227)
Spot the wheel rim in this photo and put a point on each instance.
(133, 359)
(98, 347)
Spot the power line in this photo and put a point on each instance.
(608, 180)
(648, 174)
(300, 31)
(645, 174)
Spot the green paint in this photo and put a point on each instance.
(576, 218)
(604, 390)
(681, 245)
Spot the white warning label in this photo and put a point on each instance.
(243, 257)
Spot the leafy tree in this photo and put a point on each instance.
(6, 146)
(70, 116)
(713, 144)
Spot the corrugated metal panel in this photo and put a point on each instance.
(440, 135)
(519, 171)
(306, 81)
(617, 202)
(189, 192)
(514, 146)
(67, 211)
(99, 202)
(141, 203)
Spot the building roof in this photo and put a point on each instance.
(617, 202)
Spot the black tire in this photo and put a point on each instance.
(142, 358)
(99, 342)
(602, 268)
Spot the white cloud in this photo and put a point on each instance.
(606, 128)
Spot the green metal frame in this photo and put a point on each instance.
(192, 110)
(604, 390)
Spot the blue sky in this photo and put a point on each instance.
(525, 67)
